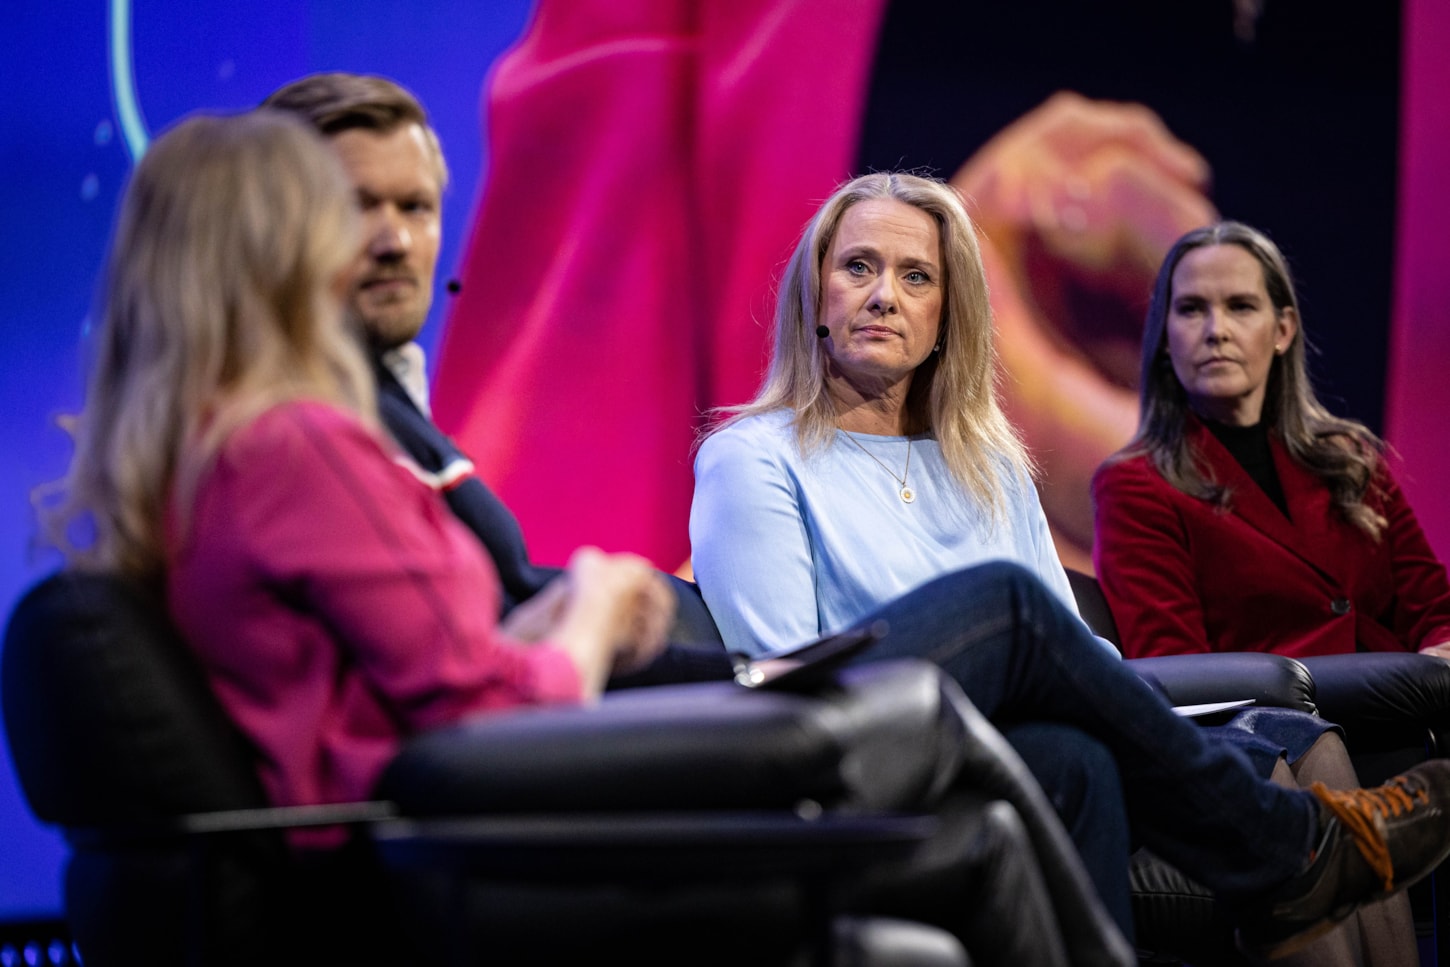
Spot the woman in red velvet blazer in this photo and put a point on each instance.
(1243, 516)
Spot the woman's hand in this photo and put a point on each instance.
(534, 619)
(610, 612)
(1441, 650)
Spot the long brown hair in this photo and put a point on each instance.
(218, 301)
(1344, 454)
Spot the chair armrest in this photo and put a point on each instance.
(1384, 696)
(229, 822)
(870, 742)
(770, 786)
(648, 847)
(1270, 680)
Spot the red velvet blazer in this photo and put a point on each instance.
(1182, 576)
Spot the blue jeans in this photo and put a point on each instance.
(1080, 778)
(1023, 658)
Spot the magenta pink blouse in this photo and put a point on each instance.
(337, 606)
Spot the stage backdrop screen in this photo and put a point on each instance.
(628, 179)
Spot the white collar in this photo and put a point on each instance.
(409, 366)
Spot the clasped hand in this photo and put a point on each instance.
(611, 612)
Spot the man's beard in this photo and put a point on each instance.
(381, 335)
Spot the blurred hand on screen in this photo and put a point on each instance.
(1078, 200)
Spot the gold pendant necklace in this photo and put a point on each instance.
(906, 494)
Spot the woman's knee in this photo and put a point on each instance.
(1031, 601)
(1326, 761)
(995, 593)
(1015, 578)
(990, 580)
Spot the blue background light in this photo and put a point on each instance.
(86, 84)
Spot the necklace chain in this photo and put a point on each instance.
(905, 493)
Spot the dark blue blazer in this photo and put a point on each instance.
(496, 526)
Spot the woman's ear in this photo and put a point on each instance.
(1287, 327)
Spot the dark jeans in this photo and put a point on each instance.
(1023, 659)
(1080, 778)
(677, 664)
(695, 652)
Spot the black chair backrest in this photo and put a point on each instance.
(114, 730)
(109, 718)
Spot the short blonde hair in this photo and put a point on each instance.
(953, 393)
(219, 299)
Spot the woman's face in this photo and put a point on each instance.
(1223, 333)
(881, 293)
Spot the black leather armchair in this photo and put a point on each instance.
(1393, 708)
(174, 852)
(706, 822)
(1270, 680)
(1179, 920)
(1395, 712)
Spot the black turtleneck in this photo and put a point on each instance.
(1249, 445)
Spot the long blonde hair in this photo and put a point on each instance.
(953, 394)
(218, 300)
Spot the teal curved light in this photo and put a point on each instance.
(123, 81)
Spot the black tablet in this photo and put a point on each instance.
(807, 663)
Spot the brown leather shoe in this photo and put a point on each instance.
(1375, 843)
